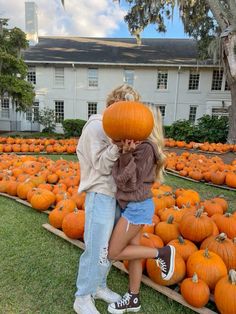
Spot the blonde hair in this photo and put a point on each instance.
(123, 92)
(157, 137)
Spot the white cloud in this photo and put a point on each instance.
(99, 18)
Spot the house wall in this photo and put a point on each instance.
(76, 93)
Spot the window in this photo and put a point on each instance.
(59, 111)
(162, 78)
(129, 77)
(92, 108)
(93, 77)
(59, 77)
(193, 83)
(31, 75)
(192, 114)
(162, 110)
(32, 113)
(217, 78)
(220, 111)
(5, 108)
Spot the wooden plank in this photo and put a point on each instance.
(175, 173)
(172, 294)
(17, 199)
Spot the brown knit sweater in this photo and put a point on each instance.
(134, 173)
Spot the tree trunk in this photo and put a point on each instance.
(229, 62)
(232, 116)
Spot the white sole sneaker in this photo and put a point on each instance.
(172, 263)
(115, 311)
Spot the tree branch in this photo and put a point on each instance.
(216, 10)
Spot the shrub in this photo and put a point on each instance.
(73, 127)
(182, 130)
(47, 119)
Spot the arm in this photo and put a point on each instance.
(130, 169)
(95, 146)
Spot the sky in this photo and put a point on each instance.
(95, 18)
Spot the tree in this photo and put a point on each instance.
(13, 70)
(212, 23)
(47, 119)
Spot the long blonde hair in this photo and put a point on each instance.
(122, 92)
(157, 137)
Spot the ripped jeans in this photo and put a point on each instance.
(93, 265)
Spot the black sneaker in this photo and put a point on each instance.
(166, 261)
(128, 303)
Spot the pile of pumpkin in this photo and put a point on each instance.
(50, 146)
(206, 146)
(201, 168)
(203, 233)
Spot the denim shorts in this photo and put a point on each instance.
(139, 213)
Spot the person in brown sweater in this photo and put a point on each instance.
(138, 167)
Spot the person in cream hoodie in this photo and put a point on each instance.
(97, 155)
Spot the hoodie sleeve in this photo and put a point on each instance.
(96, 147)
(130, 169)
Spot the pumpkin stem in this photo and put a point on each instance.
(170, 219)
(234, 240)
(232, 276)
(181, 239)
(195, 278)
(227, 215)
(206, 253)
(199, 212)
(221, 237)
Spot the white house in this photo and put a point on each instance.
(73, 75)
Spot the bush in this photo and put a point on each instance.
(73, 127)
(210, 129)
(182, 130)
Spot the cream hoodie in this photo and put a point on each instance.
(96, 155)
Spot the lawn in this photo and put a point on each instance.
(38, 269)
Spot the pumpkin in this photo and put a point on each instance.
(223, 247)
(212, 207)
(225, 292)
(128, 120)
(184, 247)
(57, 215)
(42, 199)
(167, 230)
(195, 291)
(230, 179)
(196, 226)
(151, 240)
(207, 265)
(226, 223)
(154, 272)
(73, 224)
(223, 203)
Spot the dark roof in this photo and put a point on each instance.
(113, 50)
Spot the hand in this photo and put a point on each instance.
(129, 145)
(117, 143)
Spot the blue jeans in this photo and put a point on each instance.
(94, 266)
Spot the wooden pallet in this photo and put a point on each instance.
(175, 173)
(170, 293)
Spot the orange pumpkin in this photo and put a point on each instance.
(195, 291)
(154, 271)
(73, 224)
(208, 265)
(223, 247)
(128, 120)
(225, 292)
(184, 247)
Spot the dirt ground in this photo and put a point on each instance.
(226, 157)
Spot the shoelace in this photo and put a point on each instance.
(125, 300)
(162, 264)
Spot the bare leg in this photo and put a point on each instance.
(135, 269)
(119, 247)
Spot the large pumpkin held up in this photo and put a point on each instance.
(128, 120)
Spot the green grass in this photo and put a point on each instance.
(38, 269)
